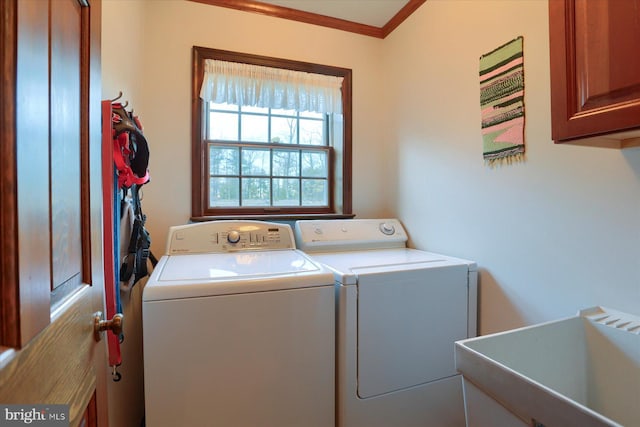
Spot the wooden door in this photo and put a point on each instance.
(51, 267)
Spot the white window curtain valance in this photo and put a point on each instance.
(258, 86)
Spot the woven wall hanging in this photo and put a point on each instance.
(502, 103)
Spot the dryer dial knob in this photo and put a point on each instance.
(387, 229)
(233, 236)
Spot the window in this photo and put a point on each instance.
(254, 158)
(267, 157)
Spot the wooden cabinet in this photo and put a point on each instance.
(595, 70)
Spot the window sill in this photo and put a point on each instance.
(292, 217)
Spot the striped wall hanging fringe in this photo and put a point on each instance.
(502, 103)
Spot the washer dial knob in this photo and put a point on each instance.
(233, 236)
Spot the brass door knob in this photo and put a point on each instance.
(114, 325)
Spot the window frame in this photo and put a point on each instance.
(340, 203)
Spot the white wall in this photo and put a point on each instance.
(554, 234)
(122, 50)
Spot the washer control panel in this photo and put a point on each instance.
(229, 236)
(387, 228)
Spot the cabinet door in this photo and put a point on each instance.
(595, 67)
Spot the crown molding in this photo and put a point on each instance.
(317, 19)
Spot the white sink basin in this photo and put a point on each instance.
(581, 371)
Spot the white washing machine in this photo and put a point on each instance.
(399, 312)
(238, 330)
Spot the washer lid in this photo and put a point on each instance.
(197, 275)
(237, 265)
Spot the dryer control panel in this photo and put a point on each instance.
(229, 236)
(349, 234)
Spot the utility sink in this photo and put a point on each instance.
(580, 371)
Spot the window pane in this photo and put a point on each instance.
(223, 126)
(260, 110)
(226, 107)
(286, 192)
(255, 192)
(314, 164)
(286, 163)
(314, 192)
(255, 128)
(311, 132)
(284, 130)
(223, 161)
(224, 192)
(255, 162)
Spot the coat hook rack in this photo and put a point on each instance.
(117, 97)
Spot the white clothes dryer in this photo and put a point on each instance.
(238, 330)
(399, 312)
